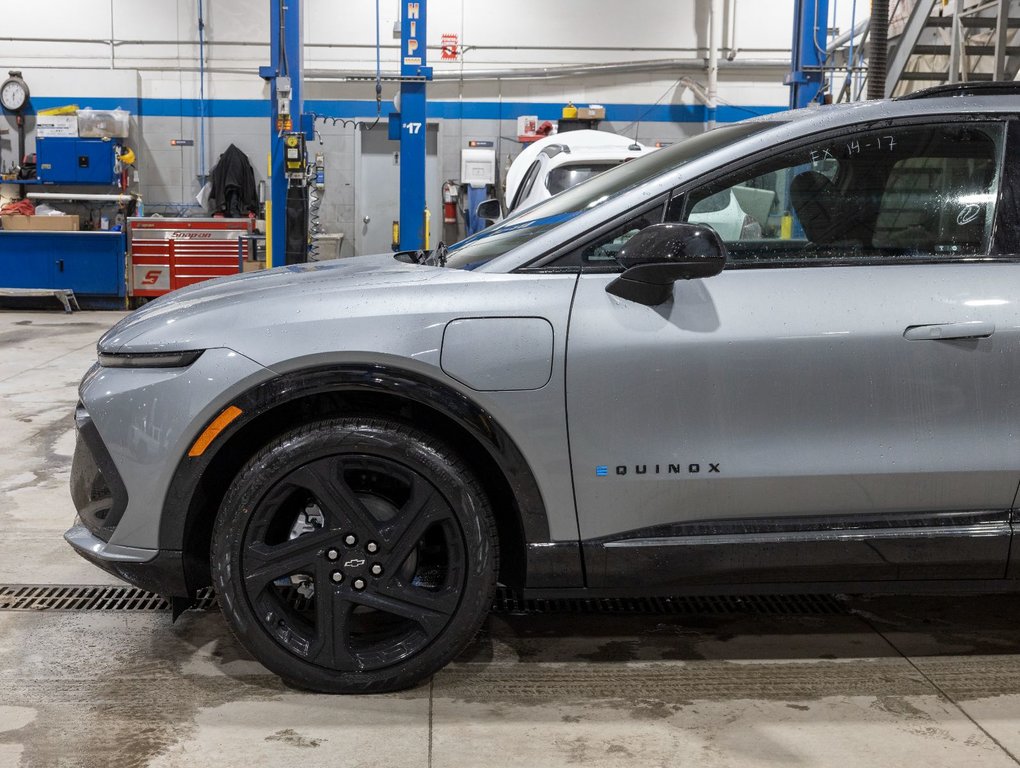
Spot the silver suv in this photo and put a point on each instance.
(601, 395)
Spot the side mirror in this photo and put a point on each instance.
(489, 210)
(659, 255)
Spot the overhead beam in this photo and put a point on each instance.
(1001, 35)
(956, 43)
(906, 42)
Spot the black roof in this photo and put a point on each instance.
(994, 88)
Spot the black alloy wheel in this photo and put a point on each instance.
(355, 555)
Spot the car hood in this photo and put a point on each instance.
(227, 311)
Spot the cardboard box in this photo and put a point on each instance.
(40, 223)
(252, 266)
(591, 113)
(57, 125)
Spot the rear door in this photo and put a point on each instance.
(840, 404)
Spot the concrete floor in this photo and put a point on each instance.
(899, 681)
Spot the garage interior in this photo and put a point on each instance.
(143, 150)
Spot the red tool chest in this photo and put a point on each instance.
(165, 254)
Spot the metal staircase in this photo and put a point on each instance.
(951, 41)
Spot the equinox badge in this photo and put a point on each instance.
(602, 470)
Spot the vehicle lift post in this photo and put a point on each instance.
(290, 128)
(409, 125)
(810, 36)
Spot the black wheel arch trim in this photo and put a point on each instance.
(564, 560)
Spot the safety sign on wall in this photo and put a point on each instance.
(451, 50)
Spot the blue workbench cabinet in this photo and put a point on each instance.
(88, 263)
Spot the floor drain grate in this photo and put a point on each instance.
(66, 597)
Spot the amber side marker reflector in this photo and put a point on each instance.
(218, 425)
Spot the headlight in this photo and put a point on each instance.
(150, 359)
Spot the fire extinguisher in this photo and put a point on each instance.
(449, 202)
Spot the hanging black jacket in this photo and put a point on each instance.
(233, 192)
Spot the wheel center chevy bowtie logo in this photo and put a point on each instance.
(354, 563)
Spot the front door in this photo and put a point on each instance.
(840, 404)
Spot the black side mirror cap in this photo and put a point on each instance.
(659, 255)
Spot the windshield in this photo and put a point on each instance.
(522, 226)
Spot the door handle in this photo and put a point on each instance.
(60, 265)
(971, 329)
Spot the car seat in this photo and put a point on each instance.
(816, 202)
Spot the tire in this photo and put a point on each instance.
(384, 520)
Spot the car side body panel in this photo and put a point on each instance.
(748, 396)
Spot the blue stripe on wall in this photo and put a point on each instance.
(166, 107)
(450, 110)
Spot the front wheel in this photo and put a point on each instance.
(355, 555)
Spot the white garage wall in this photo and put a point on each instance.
(143, 55)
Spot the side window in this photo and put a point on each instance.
(898, 192)
(939, 204)
(601, 251)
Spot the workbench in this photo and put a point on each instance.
(89, 263)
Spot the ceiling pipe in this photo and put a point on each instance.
(715, 25)
(729, 29)
(81, 196)
(353, 46)
(549, 73)
(201, 90)
(838, 42)
(699, 91)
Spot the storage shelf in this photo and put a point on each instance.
(41, 183)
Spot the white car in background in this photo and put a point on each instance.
(558, 162)
(740, 213)
(561, 161)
